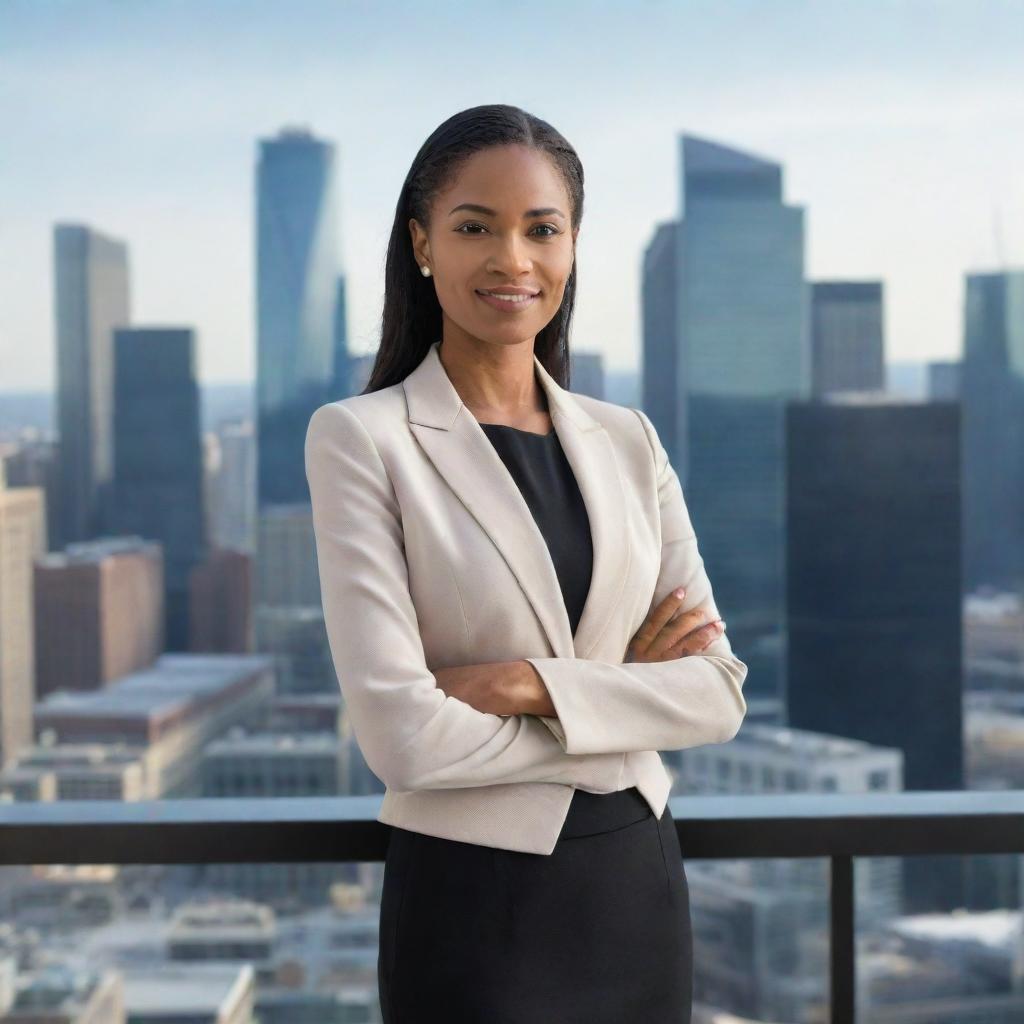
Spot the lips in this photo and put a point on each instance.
(510, 303)
(508, 292)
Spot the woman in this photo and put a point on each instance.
(511, 584)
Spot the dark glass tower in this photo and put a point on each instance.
(874, 591)
(992, 385)
(743, 354)
(158, 464)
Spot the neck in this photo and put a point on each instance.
(493, 378)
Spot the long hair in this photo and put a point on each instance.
(411, 319)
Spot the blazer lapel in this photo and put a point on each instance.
(454, 441)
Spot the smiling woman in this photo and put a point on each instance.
(513, 256)
(488, 543)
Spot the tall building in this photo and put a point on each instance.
(847, 341)
(992, 385)
(91, 298)
(660, 395)
(874, 589)
(296, 303)
(158, 458)
(743, 353)
(22, 541)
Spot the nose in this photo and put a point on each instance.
(510, 257)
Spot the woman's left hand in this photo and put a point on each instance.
(496, 688)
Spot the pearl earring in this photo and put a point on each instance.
(425, 271)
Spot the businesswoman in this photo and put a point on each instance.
(517, 611)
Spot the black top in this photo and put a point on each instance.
(543, 474)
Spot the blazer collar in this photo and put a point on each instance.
(463, 454)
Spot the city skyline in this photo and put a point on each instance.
(899, 133)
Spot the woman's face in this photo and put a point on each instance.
(503, 223)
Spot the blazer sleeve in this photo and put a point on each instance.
(667, 705)
(412, 734)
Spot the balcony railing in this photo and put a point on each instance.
(336, 829)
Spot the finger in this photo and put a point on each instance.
(699, 639)
(659, 615)
(684, 625)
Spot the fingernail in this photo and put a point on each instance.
(678, 592)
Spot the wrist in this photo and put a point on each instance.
(532, 696)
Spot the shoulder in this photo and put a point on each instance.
(368, 417)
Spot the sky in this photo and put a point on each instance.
(899, 126)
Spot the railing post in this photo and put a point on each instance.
(843, 965)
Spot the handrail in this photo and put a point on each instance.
(717, 826)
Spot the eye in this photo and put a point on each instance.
(474, 224)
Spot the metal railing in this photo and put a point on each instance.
(337, 829)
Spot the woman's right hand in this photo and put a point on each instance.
(664, 638)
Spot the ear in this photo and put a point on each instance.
(420, 245)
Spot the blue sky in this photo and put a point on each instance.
(900, 127)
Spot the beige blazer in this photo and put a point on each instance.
(429, 557)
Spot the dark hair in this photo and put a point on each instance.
(411, 319)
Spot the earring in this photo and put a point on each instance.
(425, 271)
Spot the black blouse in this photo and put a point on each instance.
(540, 469)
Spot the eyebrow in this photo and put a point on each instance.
(542, 211)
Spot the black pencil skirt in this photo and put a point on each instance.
(598, 931)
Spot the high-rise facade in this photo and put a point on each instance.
(992, 393)
(91, 298)
(660, 396)
(158, 464)
(847, 341)
(874, 591)
(296, 303)
(743, 351)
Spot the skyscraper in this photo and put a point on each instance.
(158, 471)
(993, 430)
(847, 345)
(874, 588)
(91, 297)
(660, 396)
(743, 354)
(296, 298)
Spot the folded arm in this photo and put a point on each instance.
(411, 733)
(668, 705)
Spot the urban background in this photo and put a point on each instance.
(802, 255)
